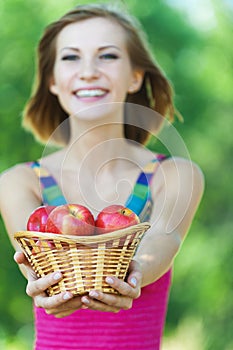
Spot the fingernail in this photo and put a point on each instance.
(93, 294)
(133, 281)
(15, 254)
(57, 276)
(109, 280)
(67, 296)
(85, 300)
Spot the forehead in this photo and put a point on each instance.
(92, 31)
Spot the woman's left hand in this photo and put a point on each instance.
(128, 291)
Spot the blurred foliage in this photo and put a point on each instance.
(198, 59)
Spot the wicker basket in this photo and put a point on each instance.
(83, 261)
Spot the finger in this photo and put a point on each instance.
(54, 303)
(20, 258)
(25, 266)
(95, 304)
(134, 275)
(36, 287)
(124, 288)
(62, 307)
(113, 300)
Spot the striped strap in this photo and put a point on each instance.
(140, 201)
(51, 193)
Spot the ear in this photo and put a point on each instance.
(136, 83)
(53, 87)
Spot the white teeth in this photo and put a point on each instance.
(90, 93)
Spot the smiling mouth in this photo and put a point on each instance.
(91, 93)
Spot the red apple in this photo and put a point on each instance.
(38, 218)
(115, 217)
(71, 219)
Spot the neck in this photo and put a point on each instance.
(95, 139)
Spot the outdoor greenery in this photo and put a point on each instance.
(195, 50)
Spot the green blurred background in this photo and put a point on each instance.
(192, 41)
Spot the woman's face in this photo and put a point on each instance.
(92, 65)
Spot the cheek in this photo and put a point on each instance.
(62, 76)
(126, 78)
(123, 85)
(60, 80)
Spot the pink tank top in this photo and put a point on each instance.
(141, 327)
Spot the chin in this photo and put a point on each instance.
(100, 111)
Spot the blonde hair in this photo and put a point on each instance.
(43, 113)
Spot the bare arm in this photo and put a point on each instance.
(178, 187)
(19, 196)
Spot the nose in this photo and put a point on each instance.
(88, 70)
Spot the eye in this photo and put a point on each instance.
(70, 58)
(109, 56)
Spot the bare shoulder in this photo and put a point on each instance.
(19, 195)
(18, 174)
(182, 165)
(177, 189)
(177, 173)
(17, 182)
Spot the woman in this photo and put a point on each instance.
(90, 63)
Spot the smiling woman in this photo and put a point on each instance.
(93, 64)
(155, 91)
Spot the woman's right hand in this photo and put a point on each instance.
(59, 305)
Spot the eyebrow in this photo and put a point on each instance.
(101, 48)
